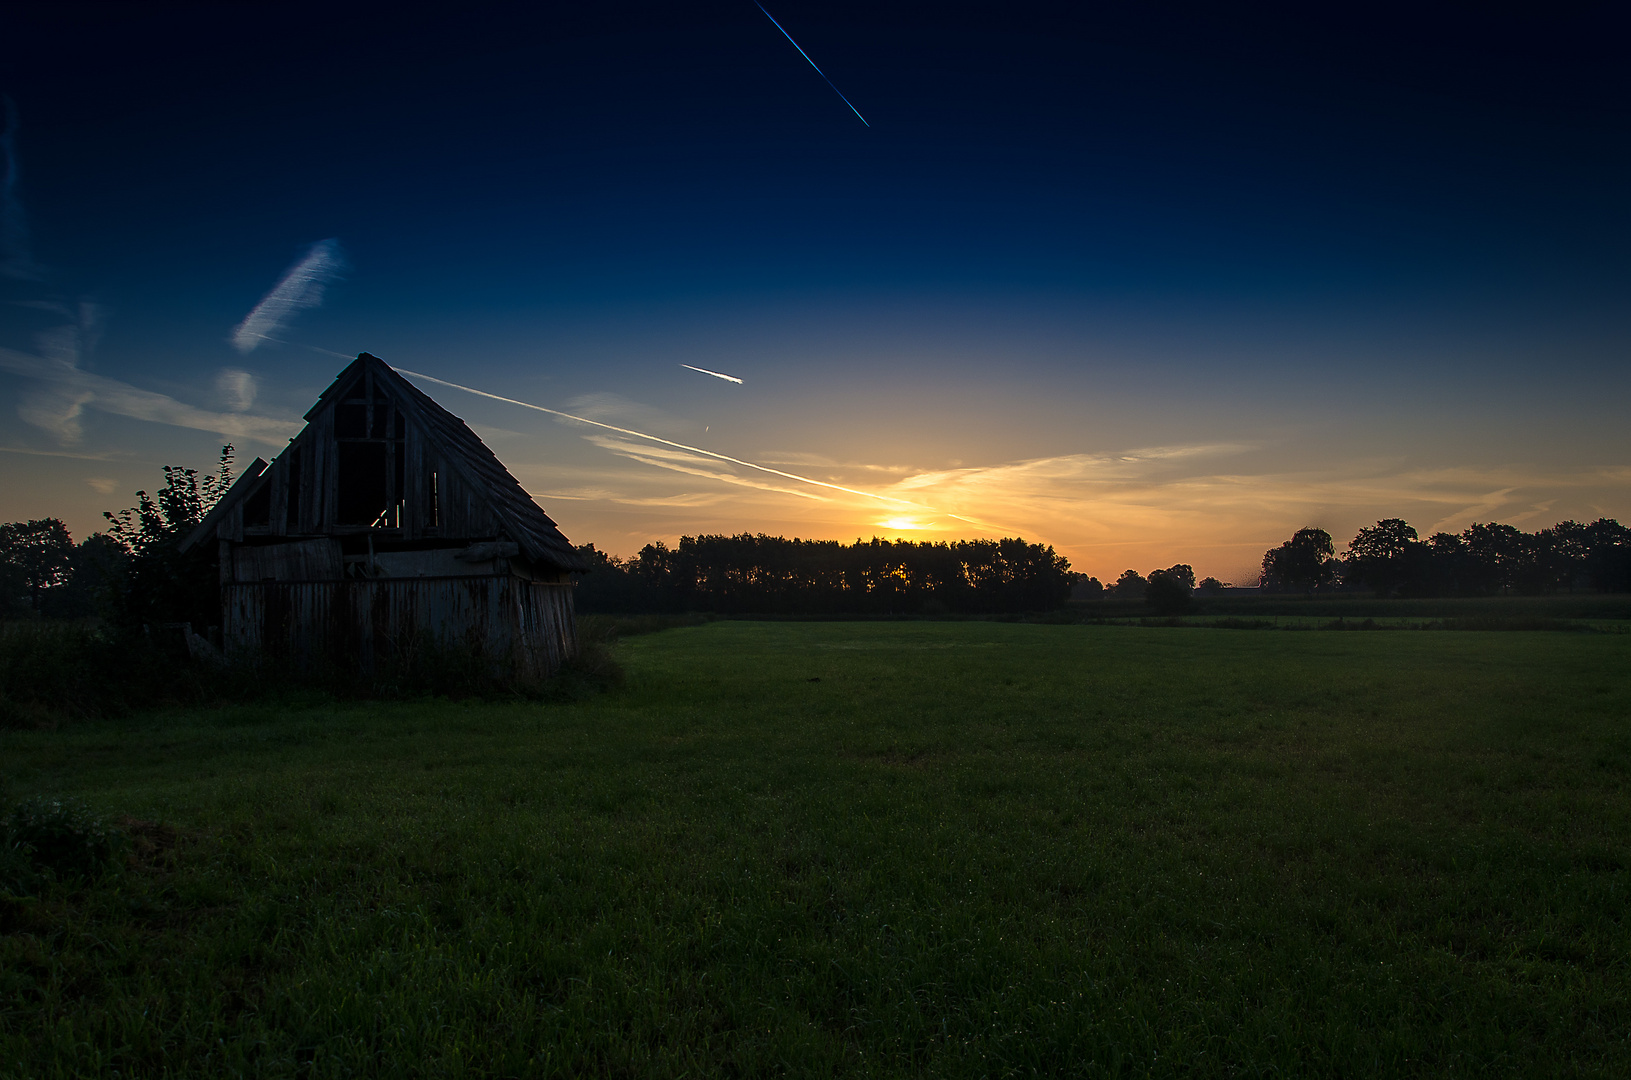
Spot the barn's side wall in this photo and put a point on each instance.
(527, 624)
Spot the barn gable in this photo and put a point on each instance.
(387, 521)
(379, 458)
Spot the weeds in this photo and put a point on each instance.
(61, 837)
(56, 671)
(55, 839)
(53, 673)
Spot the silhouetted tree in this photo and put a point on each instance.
(1608, 556)
(606, 585)
(1210, 586)
(1385, 557)
(1083, 587)
(1129, 586)
(35, 557)
(99, 575)
(1570, 554)
(771, 574)
(1494, 555)
(159, 584)
(1449, 570)
(1305, 562)
(1169, 590)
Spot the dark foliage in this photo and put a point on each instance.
(36, 557)
(1302, 564)
(1490, 559)
(57, 837)
(1169, 591)
(56, 672)
(1083, 587)
(1131, 585)
(44, 574)
(154, 582)
(772, 575)
(52, 671)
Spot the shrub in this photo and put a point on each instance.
(56, 836)
(55, 671)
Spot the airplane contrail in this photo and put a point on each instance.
(715, 374)
(300, 287)
(670, 442)
(806, 56)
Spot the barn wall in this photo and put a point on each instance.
(463, 510)
(297, 560)
(523, 626)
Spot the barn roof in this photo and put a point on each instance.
(523, 520)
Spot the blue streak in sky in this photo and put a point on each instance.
(806, 56)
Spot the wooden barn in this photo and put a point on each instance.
(384, 526)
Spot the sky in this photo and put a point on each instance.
(1149, 283)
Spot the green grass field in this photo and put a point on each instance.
(959, 849)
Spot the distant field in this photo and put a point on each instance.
(961, 849)
(1602, 609)
(1605, 612)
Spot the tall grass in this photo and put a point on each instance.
(54, 672)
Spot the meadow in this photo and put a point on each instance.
(951, 849)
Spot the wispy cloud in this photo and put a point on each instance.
(619, 410)
(300, 287)
(16, 258)
(715, 374)
(235, 389)
(692, 464)
(670, 443)
(61, 391)
(34, 451)
(823, 461)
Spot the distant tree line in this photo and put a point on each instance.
(761, 574)
(1390, 559)
(132, 574)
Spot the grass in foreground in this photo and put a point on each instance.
(947, 848)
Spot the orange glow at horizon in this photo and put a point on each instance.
(904, 524)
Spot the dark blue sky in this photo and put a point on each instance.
(1385, 237)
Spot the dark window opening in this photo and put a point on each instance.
(371, 465)
(351, 420)
(363, 493)
(399, 480)
(258, 507)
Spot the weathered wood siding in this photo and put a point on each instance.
(297, 560)
(527, 624)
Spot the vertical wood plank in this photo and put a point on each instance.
(415, 486)
(280, 493)
(323, 474)
(232, 523)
